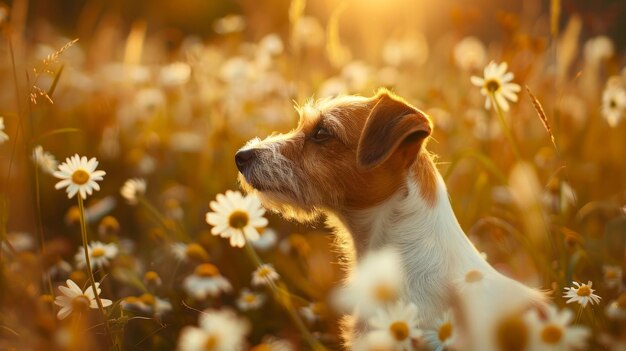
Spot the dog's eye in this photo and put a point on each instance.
(321, 134)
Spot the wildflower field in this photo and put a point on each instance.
(124, 227)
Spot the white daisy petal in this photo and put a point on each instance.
(496, 82)
(79, 175)
(235, 215)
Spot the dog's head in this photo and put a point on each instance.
(346, 153)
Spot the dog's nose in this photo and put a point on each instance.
(243, 158)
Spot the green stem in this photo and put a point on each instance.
(42, 241)
(505, 128)
(286, 302)
(83, 232)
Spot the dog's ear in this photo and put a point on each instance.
(393, 126)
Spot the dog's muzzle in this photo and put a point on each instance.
(245, 158)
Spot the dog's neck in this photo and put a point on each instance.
(435, 251)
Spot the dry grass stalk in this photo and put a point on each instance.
(542, 116)
(35, 91)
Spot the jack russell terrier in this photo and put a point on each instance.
(362, 163)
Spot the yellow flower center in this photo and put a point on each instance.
(511, 334)
(473, 276)
(318, 308)
(621, 301)
(492, 85)
(264, 272)
(584, 291)
(73, 215)
(384, 293)
(80, 177)
(109, 224)
(148, 299)
(610, 274)
(612, 103)
(207, 270)
(196, 252)
(445, 331)
(97, 252)
(151, 276)
(211, 343)
(81, 303)
(249, 298)
(262, 347)
(238, 219)
(132, 300)
(551, 334)
(399, 330)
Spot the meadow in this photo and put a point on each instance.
(120, 135)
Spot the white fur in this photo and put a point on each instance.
(436, 254)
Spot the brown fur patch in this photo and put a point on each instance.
(425, 175)
(311, 175)
(392, 127)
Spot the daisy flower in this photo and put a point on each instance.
(249, 300)
(497, 82)
(74, 299)
(147, 303)
(612, 276)
(582, 293)
(189, 252)
(613, 103)
(133, 303)
(264, 275)
(179, 251)
(45, 160)
(196, 252)
(444, 336)
(511, 332)
(218, 330)
(132, 189)
(99, 254)
(273, 344)
(553, 331)
(267, 239)
(399, 321)
(79, 175)
(3, 136)
(470, 53)
(375, 282)
(313, 312)
(236, 217)
(617, 309)
(108, 225)
(152, 278)
(493, 304)
(378, 340)
(206, 280)
(598, 48)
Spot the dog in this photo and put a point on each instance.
(362, 162)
